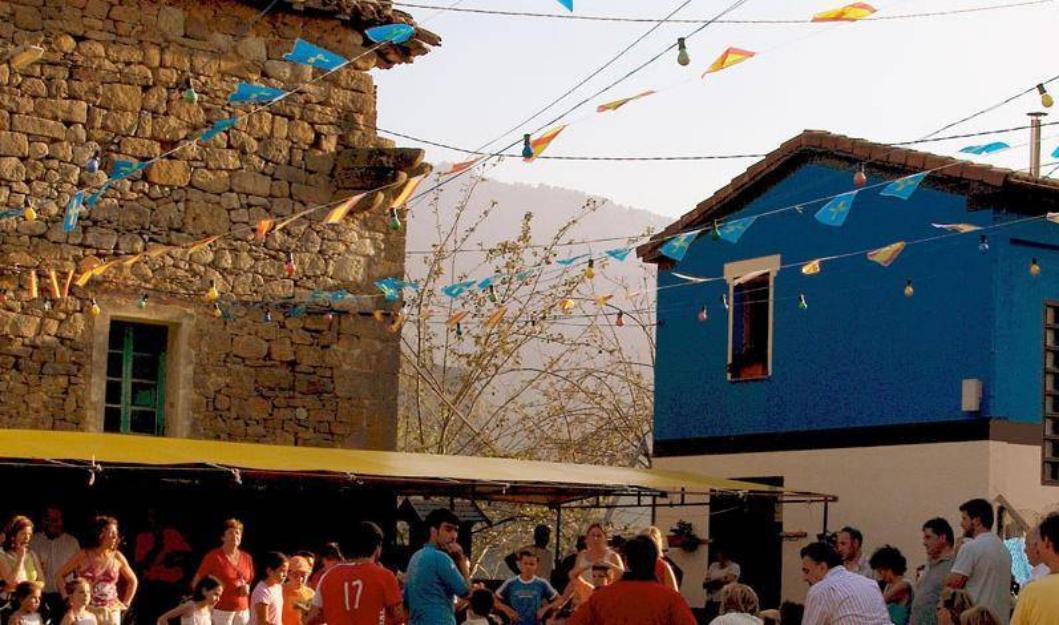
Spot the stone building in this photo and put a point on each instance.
(111, 80)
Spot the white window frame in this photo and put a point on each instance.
(732, 273)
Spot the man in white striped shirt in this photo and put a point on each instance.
(837, 596)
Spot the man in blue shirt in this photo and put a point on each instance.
(525, 598)
(437, 573)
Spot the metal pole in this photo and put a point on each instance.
(1035, 144)
(558, 532)
(825, 516)
(654, 509)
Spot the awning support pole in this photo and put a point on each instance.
(654, 509)
(825, 517)
(558, 533)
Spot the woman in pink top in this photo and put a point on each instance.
(102, 565)
(266, 602)
(235, 570)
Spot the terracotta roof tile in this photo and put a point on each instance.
(857, 150)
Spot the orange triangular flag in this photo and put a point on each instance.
(53, 284)
(286, 222)
(811, 268)
(602, 300)
(567, 305)
(132, 260)
(69, 280)
(407, 191)
(263, 227)
(730, 57)
(339, 212)
(398, 321)
(885, 256)
(377, 314)
(155, 252)
(541, 143)
(464, 166)
(456, 318)
(496, 317)
(34, 291)
(617, 104)
(848, 13)
(98, 270)
(198, 245)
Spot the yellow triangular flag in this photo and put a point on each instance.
(53, 283)
(567, 305)
(811, 268)
(495, 318)
(603, 299)
(456, 318)
(198, 245)
(407, 191)
(339, 212)
(263, 227)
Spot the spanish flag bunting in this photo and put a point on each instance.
(132, 260)
(53, 284)
(459, 167)
(959, 228)
(617, 104)
(157, 251)
(848, 13)
(494, 319)
(456, 318)
(286, 222)
(730, 57)
(541, 143)
(407, 191)
(811, 268)
(34, 290)
(198, 245)
(885, 256)
(339, 212)
(98, 270)
(263, 228)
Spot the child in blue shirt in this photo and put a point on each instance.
(526, 597)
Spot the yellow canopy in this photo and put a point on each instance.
(486, 478)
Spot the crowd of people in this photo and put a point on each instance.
(49, 578)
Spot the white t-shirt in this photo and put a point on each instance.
(53, 554)
(1039, 571)
(272, 597)
(987, 565)
(716, 572)
(736, 618)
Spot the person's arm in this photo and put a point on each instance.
(131, 583)
(897, 593)
(668, 579)
(261, 612)
(506, 609)
(814, 611)
(71, 565)
(12, 574)
(962, 566)
(395, 614)
(68, 618)
(16, 619)
(456, 577)
(578, 568)
(956, 580)
(732, 574)
(552, 600)
(177, 612)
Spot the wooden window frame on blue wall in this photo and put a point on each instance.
(753, 281)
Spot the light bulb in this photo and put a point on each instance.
(1046, 98)
(492, 294)
(983, 244)
(47, 305)
(143, 302)
(620, 321)
(527, 149)
(92, 166)
(909, 291)
(94, 310)
(29, 214)
(703, 315)
(268, 316)
(682, 52)
(289, 265)
(217, 312)
(190, 95)
(860, 178)
(724, 301)
(459, 329)
(1035, 269)
(589, 271)
(212, 294)
(329, 316)
(395, 220)
(802, 304)
(715, 234)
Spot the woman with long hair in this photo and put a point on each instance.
(102, 565)
(663, 572)
(739, 606)
(18, 563)
(595, 553)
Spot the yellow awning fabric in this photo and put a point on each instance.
(495, 478)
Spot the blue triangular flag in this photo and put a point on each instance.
(314, 56)
(259, 94)
(11, 212)
(124, 169)
(485, 283)
(1055, 153)
(407, 284)
(566, 262)
(569, 4)
(677, 247)
(392, 33)
(834, 213)
(217, 128)
(390, 289)
(298, 310)
(92, 199)
(522, 275)
(73, 210)
(339, 295)
(988, 148)
(733, 230)
(619, 254)
(903, 187)
(458, 289)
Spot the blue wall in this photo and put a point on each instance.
(862, 354)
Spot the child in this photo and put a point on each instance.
(78, 594)
(197, 611)
(266, 602)
(481, 609)
(601, 575)
(27, 596)
(297, 596)
(526, 598)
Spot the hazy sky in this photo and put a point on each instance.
(883, 81)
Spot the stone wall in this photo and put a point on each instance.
(111, 80)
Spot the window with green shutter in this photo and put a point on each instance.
(135, 396)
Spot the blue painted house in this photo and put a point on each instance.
(903, 389)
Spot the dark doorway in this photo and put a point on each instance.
(749, 528)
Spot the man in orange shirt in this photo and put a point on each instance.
(359, 591)
(637, 598)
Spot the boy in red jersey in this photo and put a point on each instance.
(359, 591)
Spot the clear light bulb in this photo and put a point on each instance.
(1035, 269)
(527, 149)
(217, 312)
(395, 220)
(268, 316)
(724, 301)
(142, 303)
(94, 310)
(983, 244)
(459, 329)
(492, 294)
(704, 315)
(909, 291)
(682, 52)
(1046, 98)
(802, 303)
(212, 295)
(190, 95)
(715, 234)
(92, 165)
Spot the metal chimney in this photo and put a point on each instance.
(1035, 143)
